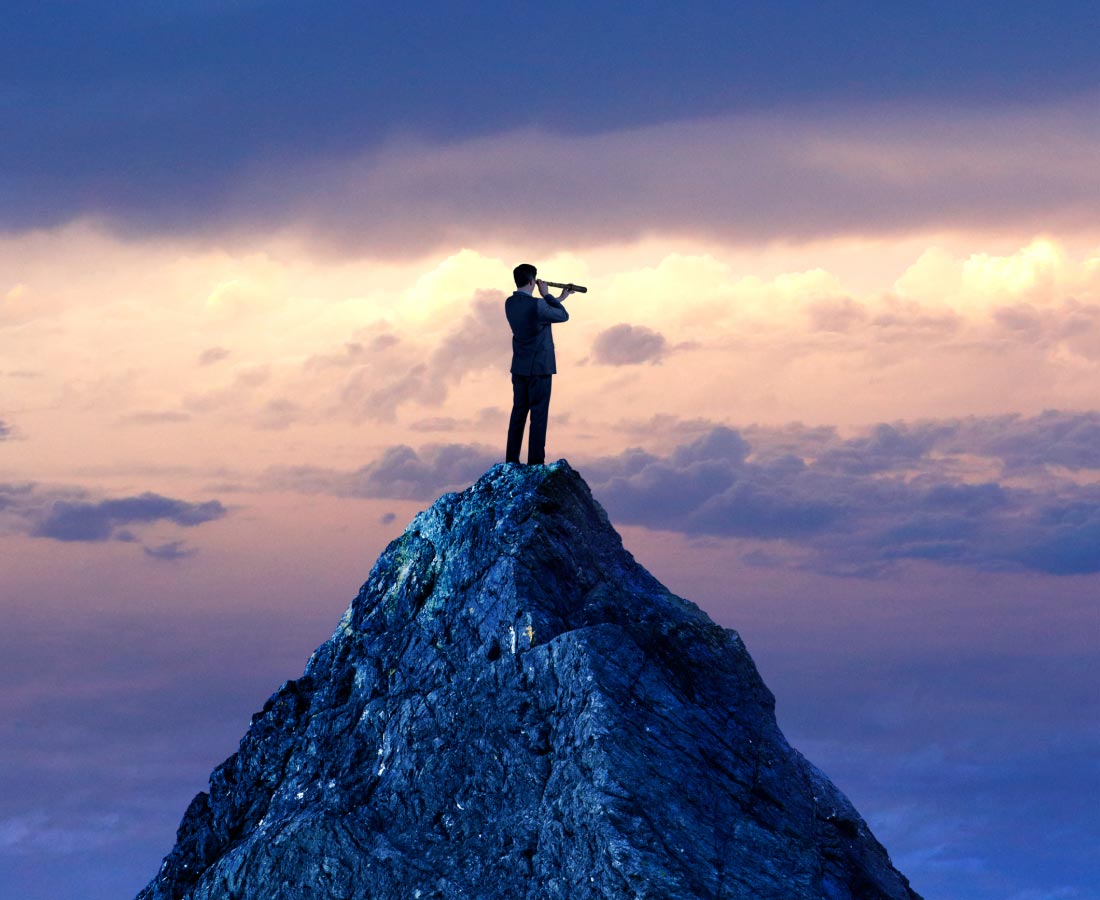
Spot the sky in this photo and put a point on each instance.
(835, 379)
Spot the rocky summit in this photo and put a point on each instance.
(513, 708)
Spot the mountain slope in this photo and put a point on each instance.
(512, 708)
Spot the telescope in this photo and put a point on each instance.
(576, 288)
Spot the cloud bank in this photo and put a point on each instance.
(740, 179)
(165, 117)
(996, 493)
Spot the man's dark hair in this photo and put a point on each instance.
(524, 274)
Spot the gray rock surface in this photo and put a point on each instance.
(513, 708)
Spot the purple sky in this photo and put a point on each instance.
(835, 380)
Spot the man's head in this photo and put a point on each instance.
(524, 274)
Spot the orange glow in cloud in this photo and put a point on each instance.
(207, 365)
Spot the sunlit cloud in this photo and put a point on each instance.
(835, 378)
(1037, 273)
(353, 355)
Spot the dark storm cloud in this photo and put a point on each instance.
(628, 345)
(157, 115)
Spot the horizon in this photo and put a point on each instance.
(834, 380)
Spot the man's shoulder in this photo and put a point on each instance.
(518, 301)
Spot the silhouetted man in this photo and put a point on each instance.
(533, 362)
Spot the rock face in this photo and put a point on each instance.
(513, 708)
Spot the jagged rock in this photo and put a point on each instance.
(513, 708)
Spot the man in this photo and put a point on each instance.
(533, 362)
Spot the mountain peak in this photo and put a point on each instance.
(513, 707)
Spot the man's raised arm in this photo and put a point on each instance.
(550, 308)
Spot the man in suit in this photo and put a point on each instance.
(533, 362)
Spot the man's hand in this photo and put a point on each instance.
(545, 291)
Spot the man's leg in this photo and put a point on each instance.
(518, 420)
(538, 395)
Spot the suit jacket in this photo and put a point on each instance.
(532, 341)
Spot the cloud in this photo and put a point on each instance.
(1063, 537)
(857, 505)
(664, 424)
(212, 355)
(390, 372)
(984, 493)
(172, 550)
(179, 139)
(402, 473)
(1053, 438)
(68, 520)
(486, 417)
(798, 178)
(897, 492)
(628, 345)
(839, 314)
(14, 497)
(885, 448)
(5, 431)
(39, 832)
